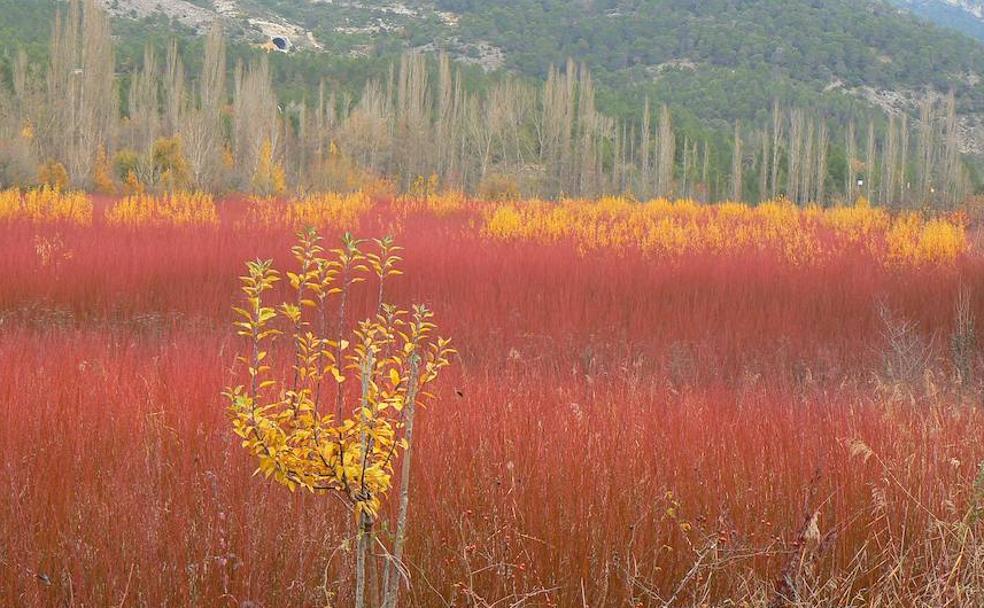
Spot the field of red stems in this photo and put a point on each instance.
(728, 428)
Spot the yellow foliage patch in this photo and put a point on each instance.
(913, 240)
(177, 209)
(672, 228)
(328, 210)
(46, 204)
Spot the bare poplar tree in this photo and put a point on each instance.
(413, 152)
(685, 169)
(736, 166)
(806, 164)
(81, 89)
(175, 95)
(556, 126)
(365, 133)
(645, 146)
(487, 124)
(822, 149)
(201, 128)
(795, 152)
(952, 162)
(903, 162)
(763, 168)
(144, 113)
(851, 154)
(870, 162)
(667, 154)
(446, 119)
(704, 174)
(255, 117)
(593, 130)
(777, 133)
(886, 186)
(925, 161)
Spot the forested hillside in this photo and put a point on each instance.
(814, 42)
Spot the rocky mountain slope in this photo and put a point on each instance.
(966, 16)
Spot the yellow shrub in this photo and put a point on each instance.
(177, 209)
(342, 211)
(911, 240)
(941, 242)
(46, 205)
(10, 204)
(440, 204)
(856, 222)
(328, 210)
(505, 223)
(672, 228)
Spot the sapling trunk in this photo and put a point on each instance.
(362, 548)
(364, 529)
(391, 580)
(375, 593)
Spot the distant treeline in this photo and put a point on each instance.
(67, 122)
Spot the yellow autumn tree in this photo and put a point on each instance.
(341, 417)
(102, 173)
(132, 184)
(170, 167)
(269, 178)
(53, 174)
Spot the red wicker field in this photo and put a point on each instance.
(618, 429)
